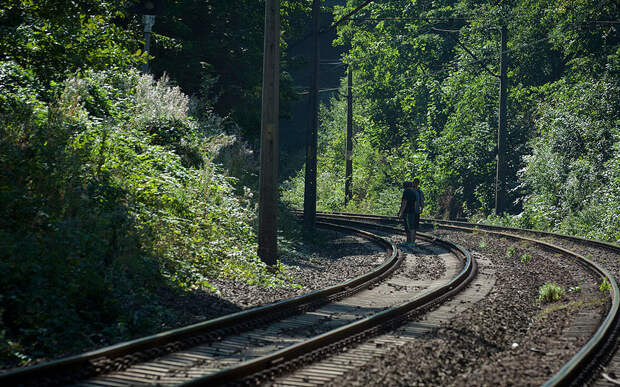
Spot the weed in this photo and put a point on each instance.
(511, 252)
(605, 286)
(574, 289)
(550, 292)
(525, 258)
(483, 244)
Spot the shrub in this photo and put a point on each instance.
(605, 286)
(550, 292)
(511, 252)
(108, 194)
(526, 257)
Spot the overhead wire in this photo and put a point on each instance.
(447, 66)
(451, 64)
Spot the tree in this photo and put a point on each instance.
(55, 38)
(215, 49)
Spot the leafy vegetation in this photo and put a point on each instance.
(215, 49)
(605, 285)
(550, 292)
(426, 102)
(107, 194)
(526, 257)
(117, 187)
(511, 252)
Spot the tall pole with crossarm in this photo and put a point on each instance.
(348, 175)
(268, 177)
(311, 139)
(500, 184)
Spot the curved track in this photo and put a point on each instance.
(601, 345)
(266, 340)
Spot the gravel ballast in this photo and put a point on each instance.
(508, 338)
(331, 259)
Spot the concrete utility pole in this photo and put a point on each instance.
(500, 184)
(268, 178)
(149, 21)
(311, 143)
(349, 152)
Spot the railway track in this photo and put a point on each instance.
(314, 339)
(261, 342)
(597, 361)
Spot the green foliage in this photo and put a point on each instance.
(550, 292)
(526, 257)
(56, 38)
(511, 252)
(605, 286)
(198, 43)
(107, 195)
(574, 168)
(426, 106)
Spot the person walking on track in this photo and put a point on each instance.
(409, 211)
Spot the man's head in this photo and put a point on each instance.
(416, 182)
(408, 184)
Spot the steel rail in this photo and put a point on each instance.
(593, 349)
(597, 346)
(593, 242)
(81, 364)
(291, 354)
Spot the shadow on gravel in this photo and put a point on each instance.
(330, 246)
(197, 306)
(465, 337)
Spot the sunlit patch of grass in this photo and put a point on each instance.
(571, 306)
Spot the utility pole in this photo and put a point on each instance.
(500, 184)
(349, 152)
(268, 177)
(149, 21)
(311, 143)
(148, 9)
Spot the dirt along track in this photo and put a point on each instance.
(606, 372)
(506, 338)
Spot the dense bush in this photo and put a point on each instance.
(107, 194)
(573, 172)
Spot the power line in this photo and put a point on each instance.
(447, 66)
(452, 64)
(484, 67)
(348, 16)
(410, 19)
